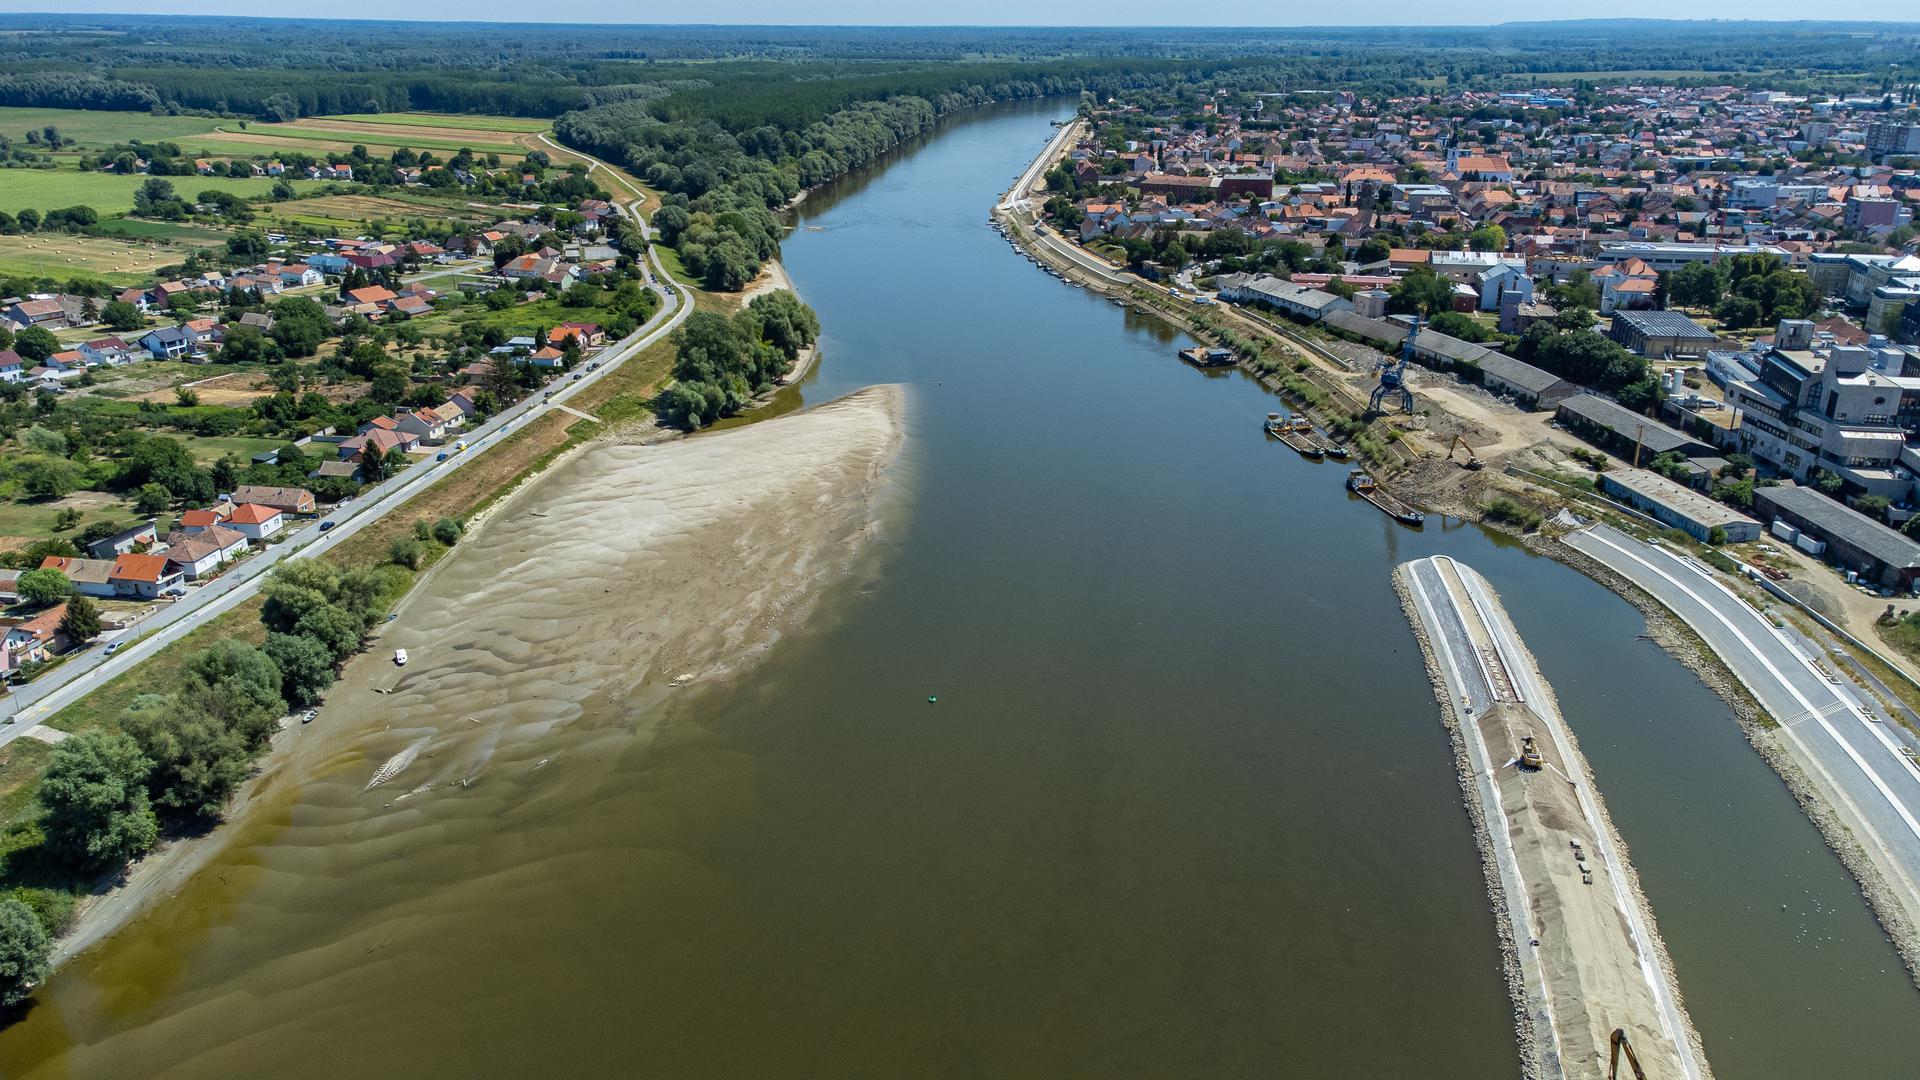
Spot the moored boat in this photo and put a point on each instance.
(1362, 483)
(1296, 433)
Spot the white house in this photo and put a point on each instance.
(256, 522)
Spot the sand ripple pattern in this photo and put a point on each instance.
(538, 652)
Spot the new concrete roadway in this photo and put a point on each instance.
(1862, 768)
(81, 675)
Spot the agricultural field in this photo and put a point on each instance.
(91, 129)
(457, 121)
(357, 213)
(52, 189)
(323, 135)
(61, 256)
(163, 231)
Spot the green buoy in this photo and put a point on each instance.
(931, 699)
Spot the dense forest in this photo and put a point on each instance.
(741, 77)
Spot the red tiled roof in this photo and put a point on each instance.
(253, 514)
(148, 568)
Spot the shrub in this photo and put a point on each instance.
(1506, 511)
(406, 551)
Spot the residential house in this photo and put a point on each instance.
(197, 554)
(169, 343)
(12, 368)
(192, 521)
(34, 641)
(423, 424)
(144, 576)
(385, 440)
(292, 500)
(45, 313)
(90, 577)
(256, 522)
(109, 352)
(140, 537)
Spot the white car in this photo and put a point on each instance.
(399, 658)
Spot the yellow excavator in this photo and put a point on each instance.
(1530, 755)
(1620, 1043)
(1473, 461)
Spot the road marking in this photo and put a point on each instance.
(1807, 706)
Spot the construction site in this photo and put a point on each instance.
(1593, 989)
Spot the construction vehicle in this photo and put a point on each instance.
(1473, 462)
(1530, 755)
(1633, 1061)
(1393, 376)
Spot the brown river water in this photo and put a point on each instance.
(1183, 806)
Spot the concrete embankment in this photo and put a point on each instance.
(1583, 957)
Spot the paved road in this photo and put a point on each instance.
(81, 675)
(1845, 746)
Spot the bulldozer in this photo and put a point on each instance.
(1530, 755)
(1473, 462)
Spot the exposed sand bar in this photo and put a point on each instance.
(620, 573)
(1583, 955)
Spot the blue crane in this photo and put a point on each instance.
(1393, 375)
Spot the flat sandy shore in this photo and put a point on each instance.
(624, 571)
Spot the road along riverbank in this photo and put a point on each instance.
(1854, 775)
(622, 572)
(1415, 455)
(1583, 957)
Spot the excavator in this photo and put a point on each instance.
(1633, 1061)
(1473, 462)
(1530, 758)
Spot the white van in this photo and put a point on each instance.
(399, 658)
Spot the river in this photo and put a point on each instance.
(1183, 806)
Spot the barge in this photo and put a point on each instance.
(1297, 434)
(1362, 483)
(1202, 357)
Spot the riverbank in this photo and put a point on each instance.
(710, 546)
(1515, 447)
(1582, 955)
(773, 278)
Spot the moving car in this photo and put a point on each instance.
(114, 648)
(325, 525)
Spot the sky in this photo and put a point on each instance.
(997, 12)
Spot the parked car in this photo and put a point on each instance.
(325, 525)
(399, 658)
(176, 592)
